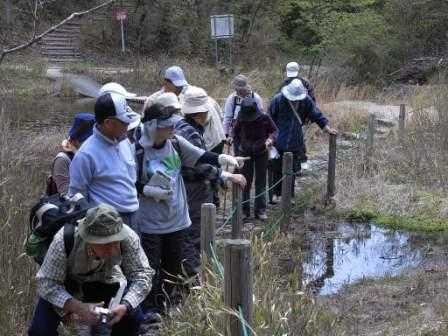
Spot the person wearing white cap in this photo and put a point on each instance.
(104, 168)
(119, 89)
(289, 110)
(292, 72)
(173, 81)
(202, 180)
(232, 106)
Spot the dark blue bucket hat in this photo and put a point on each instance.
(82, 126)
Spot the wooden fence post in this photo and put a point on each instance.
(287, 185)
(208, 227)
(331, 179)
(237, 216)
(370, 141)
(238, 284)
(402, 121)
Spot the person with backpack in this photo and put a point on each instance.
(254, 134)
(105, 254)
(163, 215)
(80, 130)
(104, 168)
(232, 106)
(202, 180)
(292, 72)
(289, 110)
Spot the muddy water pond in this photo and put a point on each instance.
(352, 252)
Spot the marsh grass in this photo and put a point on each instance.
(24, 164)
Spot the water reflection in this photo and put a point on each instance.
(354, 252)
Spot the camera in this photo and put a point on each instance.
(103, 314)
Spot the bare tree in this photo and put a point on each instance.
(36, 37)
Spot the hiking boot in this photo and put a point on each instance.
(261, 215)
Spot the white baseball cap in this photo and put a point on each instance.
(116, 88)
(292, 69)
(295, 90)
(112, 105)
(168, 99)
(176, 75)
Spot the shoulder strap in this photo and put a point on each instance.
(235, 99)
(295, 112)
(69, 238)
(176, 145)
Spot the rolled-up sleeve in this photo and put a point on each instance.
(52, 274)
(136, 269)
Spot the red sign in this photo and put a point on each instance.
(121, 14)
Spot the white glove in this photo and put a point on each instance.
(157, 193)
(235, 178)
(225, 159)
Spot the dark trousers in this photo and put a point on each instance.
(257, 165)
(166, 255)
(45, 322)
(131, 220)
(275, 173)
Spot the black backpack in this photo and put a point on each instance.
(47, 217)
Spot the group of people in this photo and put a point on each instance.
(148, 174)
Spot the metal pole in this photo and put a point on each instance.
(122, 37)
(216, 51)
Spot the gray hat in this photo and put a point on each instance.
(102, 225)
(241, 82)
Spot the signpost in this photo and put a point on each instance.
(121, 15)
(222, 28)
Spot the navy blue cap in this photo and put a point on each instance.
(82, 126)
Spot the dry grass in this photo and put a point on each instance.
(24, 163)
(280, 307)
(410, 176)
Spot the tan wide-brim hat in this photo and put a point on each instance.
(195, 101)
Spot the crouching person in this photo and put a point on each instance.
(163, 214)
(73, 280)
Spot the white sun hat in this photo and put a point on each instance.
(295, 90)
(195, 100)
(116, 88)
(292, 69)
